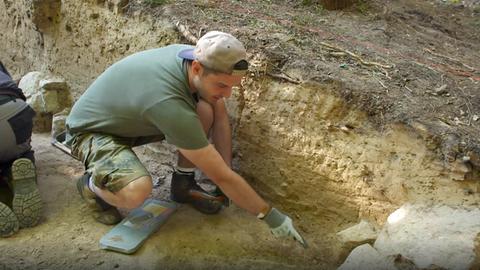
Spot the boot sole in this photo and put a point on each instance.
(8, 221)
(205, 203)
(27, 203)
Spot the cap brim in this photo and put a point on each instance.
(187, 54)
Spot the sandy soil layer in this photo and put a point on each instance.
(67, 236)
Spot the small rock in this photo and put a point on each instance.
(475, 117)
(366, 257)
(58, 122)
(457, 121)
(359, 234)
(345, 128)
(116, 265)
(441, 90)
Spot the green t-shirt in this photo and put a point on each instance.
(144, 94)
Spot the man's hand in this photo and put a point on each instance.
(281, 226)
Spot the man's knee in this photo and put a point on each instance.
(135, 193)
(205, 112)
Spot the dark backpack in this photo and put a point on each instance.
(8, 86)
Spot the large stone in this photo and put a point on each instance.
(44, 93)
(53, 83)
(29, 83)
(365, 257)
(432, 236)
(47, 95)
(359, 234)
(44, 102)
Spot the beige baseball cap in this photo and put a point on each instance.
(219, 51)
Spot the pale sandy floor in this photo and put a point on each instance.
(67, 237)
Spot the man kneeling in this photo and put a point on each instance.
(174, 93)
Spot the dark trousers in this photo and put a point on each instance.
(16, 123)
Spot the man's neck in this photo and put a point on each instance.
(191, 86)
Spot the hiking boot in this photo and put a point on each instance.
(8, 221)
(26, 204)
(101, 210)
(184, 189)
(218, 192)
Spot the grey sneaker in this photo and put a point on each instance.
(8, 221)
(101, 211)
(27, 204)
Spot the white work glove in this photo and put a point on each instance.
(281, 226)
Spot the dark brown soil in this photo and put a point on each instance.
(400, 61)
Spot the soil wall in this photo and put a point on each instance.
(75, 39)
(300, 145)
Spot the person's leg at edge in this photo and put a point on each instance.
(19, 169)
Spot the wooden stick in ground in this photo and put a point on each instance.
(366, 63)
(284, 77)
(449, 58)
(186, 33)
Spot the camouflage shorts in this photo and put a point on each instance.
(109, 159)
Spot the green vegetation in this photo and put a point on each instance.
(301, 20)
(156, 2)
(308, 2)
(362, 7)
(314, 5)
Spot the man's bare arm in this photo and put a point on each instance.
(240, 192)
(209, 161)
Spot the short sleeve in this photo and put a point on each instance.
(179, 122)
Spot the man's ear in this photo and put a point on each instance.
(196, 67)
